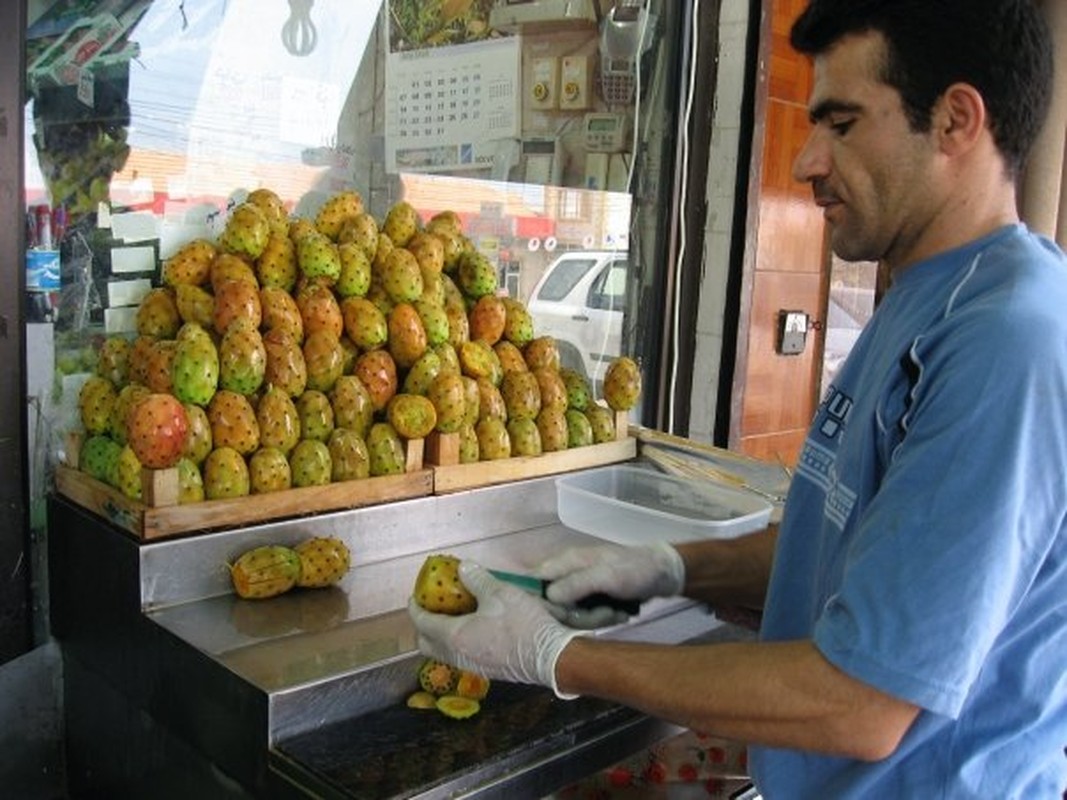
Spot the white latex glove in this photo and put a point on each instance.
(628, 573)
(511, 636)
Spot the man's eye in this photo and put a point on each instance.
(842, 127)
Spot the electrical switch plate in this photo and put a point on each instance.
(544, 84)
(575, 83)
(792, 332)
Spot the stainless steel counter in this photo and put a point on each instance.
(302, 695)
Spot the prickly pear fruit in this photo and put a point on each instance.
(194, 372)
(268, 471)
(272, 207)
(225, 474)
(439, 589)
(510, 357)
(422, 372)
(602, 421)
(318, 257)
(469, 452)
(401, 276)
(276, 266)
(434, 321)
(159, 365)
(324, 560)
(125, 474)
(542, 352)
(155, 429)
(479, 360)
(448, 396)
(325, 360)
(237, 300)
(490, 401)
(128, 397)
(310, 463)
(579, 429)
(230, 267)
(413, 415)
(246, 231)
(112, 362)
(279, 422)
(472, 685)
(476, 275)
(437, 677)
(97, 455)
(233, 422)
(362, 231)
(286, 368)
(456, 707)
(579, 392)
(522, 395)
(386, 450)
(377, 370)
(622, 384)
(429, 249)
(487, 318)
(198, 436)
(242, 359)
(401, 223)
(158, 314)
(280, 312)
(190, 482)
(354, 278)
(319, 310)
(493, 439)
(195, 304)
(316, 415)
(265, 572)
(95, 402)
(349, 456)
(552, 425)
(352, 406)
(407, 336)
(190, 264)
(553, 390)
(336, 211)
(524, 436)
(518, 325)
(365, 323)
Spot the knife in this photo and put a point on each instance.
(539, 587)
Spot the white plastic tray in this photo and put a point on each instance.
(634, 505)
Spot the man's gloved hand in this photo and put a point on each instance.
(512, 636)
(628, 573)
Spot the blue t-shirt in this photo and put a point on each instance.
(923, 545)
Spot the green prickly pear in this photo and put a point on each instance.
(242, 359)
(386, 450)
(468, 445)
(310, 463)
(579, 392)
(365, 323)
(401, 223)
(269, 471)
(518, 324)
(246, 231)
(318, 257)
(494, 442)
(476, 275)
(190, 482)
(112, 362)
(349, 456)
(362, 231)
(434, 321)
(579, 429)
(602, 421)
(401, 276)
(422, 373)
(225, 474)
(97, 456)
(522, 395)
(194, 372)
(354, 278)
(96, 399)
(316, 415)
(412, 415)
(353, 408)
(525, 437)
(128, 397)
(276, 265)
(125, 474)
(198, 436)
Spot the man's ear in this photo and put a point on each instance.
(959, 118)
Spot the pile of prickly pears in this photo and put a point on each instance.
(298, 352)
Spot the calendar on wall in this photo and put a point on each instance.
(449, 108)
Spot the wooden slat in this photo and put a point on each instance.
(484, 473)
(154, 523)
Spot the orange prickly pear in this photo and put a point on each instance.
(324, 560)
(265, 572)
(156, 428)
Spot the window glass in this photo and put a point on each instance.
(559, 282)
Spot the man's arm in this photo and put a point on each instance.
(776, 694)
(730, 572)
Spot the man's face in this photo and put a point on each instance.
(870, 173)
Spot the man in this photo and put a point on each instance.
(914, 637)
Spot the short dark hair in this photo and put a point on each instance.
(1001, 47)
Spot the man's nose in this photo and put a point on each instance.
(813, 160)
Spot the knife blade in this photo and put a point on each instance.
(539, 587)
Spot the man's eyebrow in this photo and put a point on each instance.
(825, 108)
